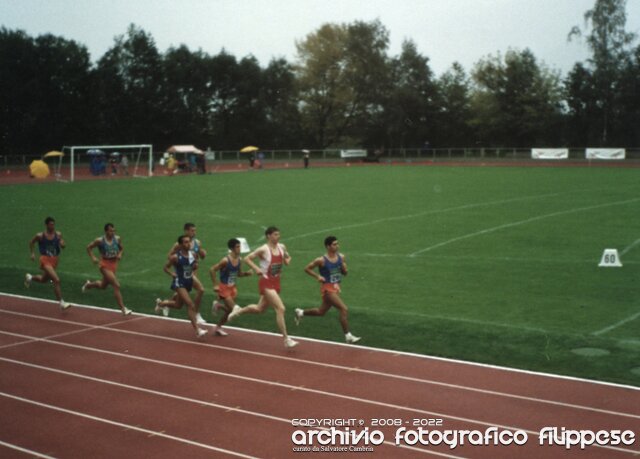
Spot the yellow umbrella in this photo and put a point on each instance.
(249, 149)
(54, 154)
(38, 169)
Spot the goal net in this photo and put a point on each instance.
(107, 160)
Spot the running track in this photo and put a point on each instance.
(88, 382)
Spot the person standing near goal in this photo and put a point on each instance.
(272, 256)
(229, 268)
(185, 264)
(50, 243)
(110, 248)
(200, 253)
(331, 267)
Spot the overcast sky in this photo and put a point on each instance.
(444, 30)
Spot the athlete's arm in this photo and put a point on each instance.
(243, 273)
(33, 240)
(62, 243)
(309, 269)
(214, 269)
(202, 252)
(286, 258)
(344, 264)
(90, 248)
(170, 262)
(256, 253)
(119, 239)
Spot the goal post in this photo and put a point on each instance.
(95, 160)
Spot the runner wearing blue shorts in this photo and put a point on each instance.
(182, 266)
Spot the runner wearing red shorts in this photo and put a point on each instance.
(110, 248)
(229, 268)
(50, 243)
(273, 256)
(331, 266)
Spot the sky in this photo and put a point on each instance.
(445, 31)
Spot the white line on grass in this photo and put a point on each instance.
(421, 214)
(631, 318)
(307, 362)
(127, 426)
(520, 222)
(30, 452)
(630, 246)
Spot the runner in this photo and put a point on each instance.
(184, 263)
(198, 250)
(331, 266)
(272, 256)
(229, 268)
(50, 243)
(110, 248)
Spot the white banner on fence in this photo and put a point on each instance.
(353, 153)
(549, 153)
(605, 153)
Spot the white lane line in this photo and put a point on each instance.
(73, 332)
(392, 352)
(312, 391)
(189, 400)
(30, 452)
(126, 426)
(520, 222)
(631, 318)
(337, 367)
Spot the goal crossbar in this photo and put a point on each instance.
(140, 147)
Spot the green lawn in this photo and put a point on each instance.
(487, 264)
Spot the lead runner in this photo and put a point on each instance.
(331, 267)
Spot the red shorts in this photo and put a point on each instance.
(329, 288)
(227, 291)
(111, 264)
(46, 260)
(272, 283)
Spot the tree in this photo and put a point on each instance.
(43, 89)
(454, 126)
(516, 102)
(130, 88)
(341, 74)
(413, 102)
(280, 96)
(608, 42)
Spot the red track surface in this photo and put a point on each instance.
(88, 382)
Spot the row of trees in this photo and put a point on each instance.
(344, 89)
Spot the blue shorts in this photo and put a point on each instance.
(182, 283)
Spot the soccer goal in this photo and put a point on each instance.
(109, 160)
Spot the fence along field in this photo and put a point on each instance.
(495, 265)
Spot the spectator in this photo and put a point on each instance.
(124, 164)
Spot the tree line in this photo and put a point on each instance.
(343, 89)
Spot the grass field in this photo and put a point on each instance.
(486, 264)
